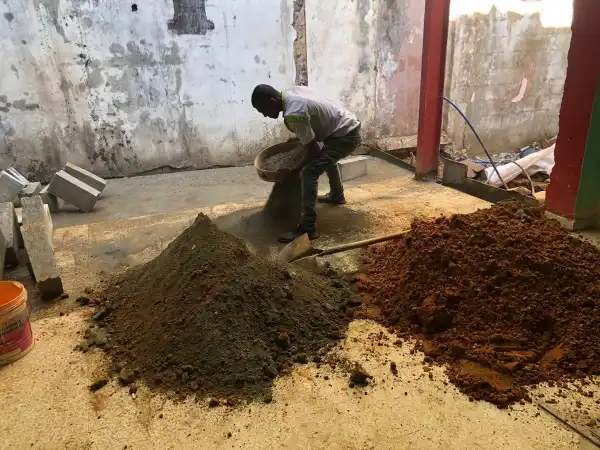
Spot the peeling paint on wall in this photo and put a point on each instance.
(120, 91)
(400, 38)
(113, 89)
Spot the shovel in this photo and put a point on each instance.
(302, 248)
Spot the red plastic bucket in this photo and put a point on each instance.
(16, 339)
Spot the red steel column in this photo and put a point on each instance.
(435, 39)
(579, 93)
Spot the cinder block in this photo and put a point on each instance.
(54, 203)
(352, 167)
(37, 235)
(87, 177)
(15, 174)
(33, 213)
(9, 187)
(73, 191)
(9, 227)
(29, 190)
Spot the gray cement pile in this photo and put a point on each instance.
(287, 160)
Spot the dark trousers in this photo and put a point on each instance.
(335, 148)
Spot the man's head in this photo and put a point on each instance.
(267, 101)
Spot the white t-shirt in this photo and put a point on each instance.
(309, 115)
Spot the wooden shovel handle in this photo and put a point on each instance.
(360, 244)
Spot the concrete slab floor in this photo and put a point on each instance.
(164, 193)
(45, 396)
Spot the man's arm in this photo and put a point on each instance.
(300, 126)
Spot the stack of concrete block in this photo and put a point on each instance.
(11, 183)
(76, 186)
(30, 189)
(37, 236)
(54, 203)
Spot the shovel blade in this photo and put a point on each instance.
(298, 248)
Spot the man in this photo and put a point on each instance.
(313, 119)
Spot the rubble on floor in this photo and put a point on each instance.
(503, 297)
(29, 226)
(73, 191)
(527, 170)
(37, 235)
(11, 183)
(208, 317)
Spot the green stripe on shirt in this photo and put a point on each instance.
(296, 119)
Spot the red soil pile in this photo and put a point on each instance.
(208, 317)
(504, 297)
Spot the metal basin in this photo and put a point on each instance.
(276, 176)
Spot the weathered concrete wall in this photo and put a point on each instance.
(367, 56)
(400, 45)
(125, 88)
(121, 88)
(506, 71)
(341, 45)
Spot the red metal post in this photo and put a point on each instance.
(435, 39)
(579, 93)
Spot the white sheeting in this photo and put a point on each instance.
(542, 161)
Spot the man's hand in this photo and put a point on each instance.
(313, 150)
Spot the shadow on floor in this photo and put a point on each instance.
(260, 230)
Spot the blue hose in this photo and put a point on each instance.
(478, 138)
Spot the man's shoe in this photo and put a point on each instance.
(286, 238)
(330, 200)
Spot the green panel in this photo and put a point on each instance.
(587, 205)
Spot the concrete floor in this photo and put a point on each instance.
(45, 398)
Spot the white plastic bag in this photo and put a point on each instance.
(542, 161)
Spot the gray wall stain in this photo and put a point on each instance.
(95, 78)
(135, 56)
(52, 6)
(172, 57)
(65, 87)
(9, 16)
(178, 80)
(117, 48)
(22, 105)
(190, 17)
(6, 129)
